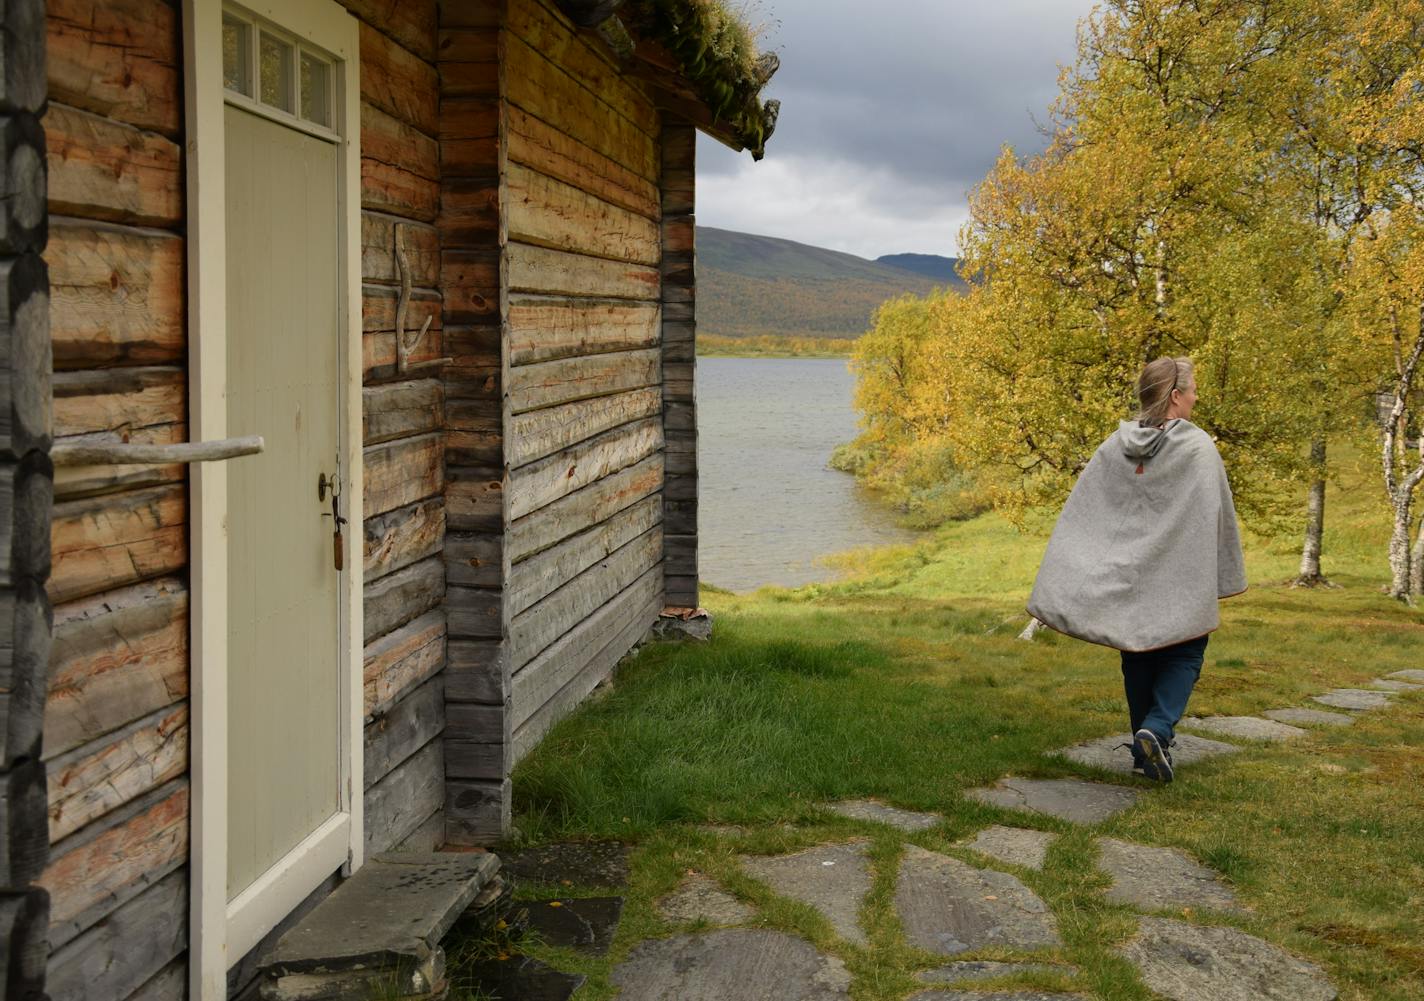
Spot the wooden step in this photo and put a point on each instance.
(378, 934)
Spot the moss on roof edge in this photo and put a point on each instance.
(716, 56)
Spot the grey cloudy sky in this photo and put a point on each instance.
(891, 111)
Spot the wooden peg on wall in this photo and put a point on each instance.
(407, 343)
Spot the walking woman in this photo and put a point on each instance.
(1146, 545)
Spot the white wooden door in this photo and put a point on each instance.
(284, 377)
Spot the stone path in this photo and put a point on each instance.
(1244, 727)
(869, 809)
(833, 879)
(1159, 879)
(1187, 962)
(733, 965)
(948, 906)
(1066, 799)
(1014, 845)
(700, 898)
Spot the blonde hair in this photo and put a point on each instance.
(1155, 385)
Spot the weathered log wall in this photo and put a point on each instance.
(116, 722)
(473, 226)
(404, 418)
(26, 486)
(679, 357)
(586, 365)
(551, 249)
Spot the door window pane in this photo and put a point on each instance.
(276, 72)
(316, 90)
(237, 55)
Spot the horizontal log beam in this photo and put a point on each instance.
(116, 295)
(116, 658)
(103, 169)
(402, 659)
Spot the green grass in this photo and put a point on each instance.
(905, 682)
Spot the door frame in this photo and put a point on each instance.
(220, 935)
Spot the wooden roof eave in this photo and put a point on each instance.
(653, 65)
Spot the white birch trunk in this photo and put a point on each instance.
(1400, 488)
(1310, 574)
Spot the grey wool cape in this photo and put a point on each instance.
(1146, 544)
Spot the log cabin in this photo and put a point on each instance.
(347, 437)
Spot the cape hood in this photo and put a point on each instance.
(1146, 544)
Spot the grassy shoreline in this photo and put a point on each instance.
(905, 682)
(773, 346)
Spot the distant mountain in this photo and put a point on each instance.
(750, 285)
(941, 269)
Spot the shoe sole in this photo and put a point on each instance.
(1155, 763)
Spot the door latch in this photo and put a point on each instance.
(338, 538)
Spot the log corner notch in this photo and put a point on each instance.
(26, 499)
(679, 347)
(668, 47)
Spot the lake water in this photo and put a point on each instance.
(769, 504)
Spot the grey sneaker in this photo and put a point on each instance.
(1156, 762)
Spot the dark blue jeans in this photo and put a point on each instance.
(1158, 685)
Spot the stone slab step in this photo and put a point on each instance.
(994, 996)
(385, 923)
(571, 863)
(1067, 799)
(1159, 879)
(1109, 754)
(1014, 845)
(1243, 727)
(833, 879)
(869, 809)
(1309, 717)
(583, 923)
(1410, 675)
(732, 965)
(968, 971)
(1354, 698)
(947, 906)
(1187, 962)
(1395, 685)
(700, 898)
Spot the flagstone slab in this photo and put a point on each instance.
(1108, 753)
(994, 996)
(1067, 799)
(967, 971)
(1410, 675)
(520, 978)
(1186, 962)
(1394, 685)
(947, 906)
(869, 809)
(736, 964)
(700, 898)
(1353, 698)
(1309, 717)
(1161, 878)
(568, 863)
(1245, 727)
(1014, 845)
(583, 923)
(833, 879)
